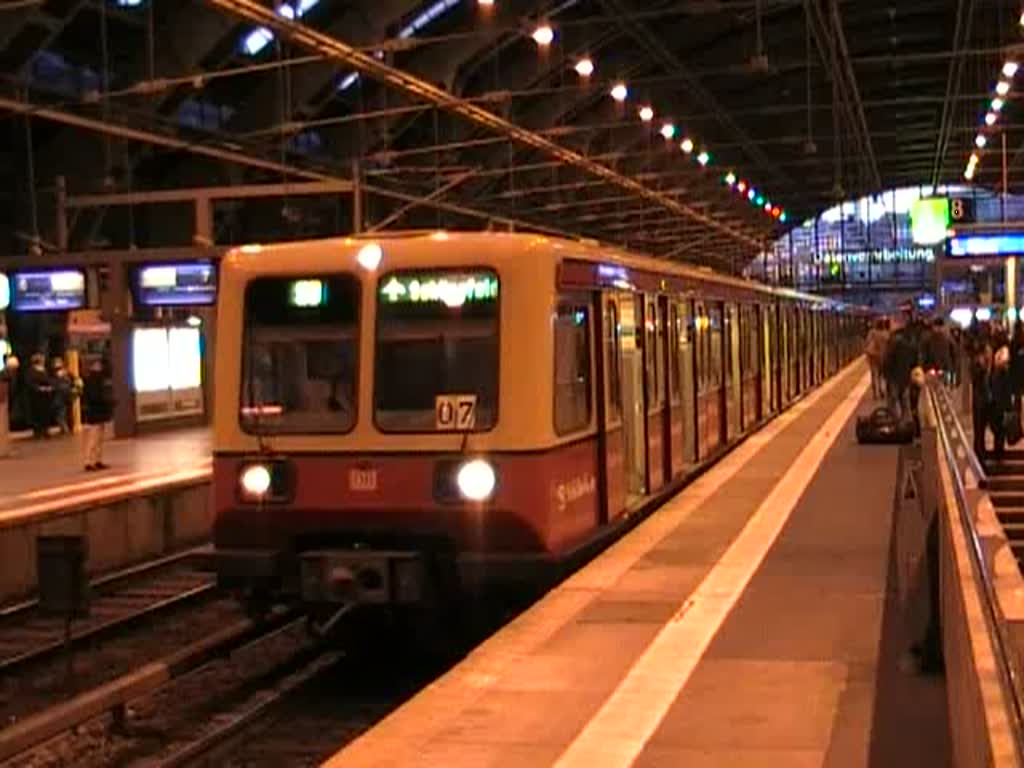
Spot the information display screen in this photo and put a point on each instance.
(48, 290)
(177, 285)
(166, 359)
(996, 245)
(5, 292)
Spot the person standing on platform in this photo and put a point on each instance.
(938, 350)
(1002, 400)
(97, 410)
(1017, 363)
(901, 357)
(874, 350)
(981, 392)
(40, 396)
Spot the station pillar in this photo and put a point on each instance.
(118, 311)
(1011, 283)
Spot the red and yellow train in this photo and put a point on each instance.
(493, 402)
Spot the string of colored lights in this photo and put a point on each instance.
(995, 109)
(544, 35)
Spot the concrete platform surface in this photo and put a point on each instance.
(43, 472)
(750, 622)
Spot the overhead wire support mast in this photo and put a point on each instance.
(332, 48)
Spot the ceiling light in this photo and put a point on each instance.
(997, 104)
(1010, 69)
(543, 35)
(646, 114)
(969, 173)
(751, 193)
(620, 92)
(990, 118)
(776, 212)
(487, 3)
(730, 178)
(1022, 18)
(782, 217)
(973, 160)
(686, 146)
(668, 131)
(584, 67)
(703, 158)
(1002, 87)
(759, 200)
(980, 140)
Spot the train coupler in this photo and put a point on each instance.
(362, 577)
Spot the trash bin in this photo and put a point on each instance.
(63, 586)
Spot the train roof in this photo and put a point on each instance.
(507, 245)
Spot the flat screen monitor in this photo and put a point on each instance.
(48, 290)
(187, 284)
(5, 292)
(986, 245)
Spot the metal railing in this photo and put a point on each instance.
(994, 584)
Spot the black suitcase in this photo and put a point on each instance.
(881, 427)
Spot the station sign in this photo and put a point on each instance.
(451, 289)
(47, 290)
(986, 245)
(961, 210)
(186, 284)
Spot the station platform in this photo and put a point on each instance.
(751, 621)
(39, 473)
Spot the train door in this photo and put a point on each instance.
(654, 363)
(675, 460)
(702, 356)
(612, 428)
(733, 399)
(716, 374)
(687, 379)
(631, 380)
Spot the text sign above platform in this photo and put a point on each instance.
(988, 245)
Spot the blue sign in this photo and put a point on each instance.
(5, 292)
(52, 290)
(986, 245)
(177, 284)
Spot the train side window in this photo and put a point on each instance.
(652, 359)
(715, 343)
(659, 353)
(613, 360)
(572, 367)
(674, 342)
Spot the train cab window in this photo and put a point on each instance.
(300, 352)
(572, 367)
(437, 344)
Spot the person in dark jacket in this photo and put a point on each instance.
(938, 349)
(40, 396)
(62, 390)
(901, 357)
(1017, 362)
(981, 392)
(97, 410)
(1002, 400)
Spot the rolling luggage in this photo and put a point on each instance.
(881, 427)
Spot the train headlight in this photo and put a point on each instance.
(476, 480)
(255, 481)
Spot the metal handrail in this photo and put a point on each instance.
(1006, 662)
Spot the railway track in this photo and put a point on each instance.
(119, 600)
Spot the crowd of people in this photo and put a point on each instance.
(899, 359)
(42, 397)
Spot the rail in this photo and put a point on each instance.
(998, 587)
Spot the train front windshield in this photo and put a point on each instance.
(437, 351)
(300, 355)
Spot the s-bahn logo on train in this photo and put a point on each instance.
(572, 490)
(362, 479)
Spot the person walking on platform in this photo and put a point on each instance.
(97, 410)
(1002, 400)
(901, 357)
(874, 350)
(938, 350)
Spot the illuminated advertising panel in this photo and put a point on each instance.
(986, 245)
(5, 292)
(929, 220)
(177, 285)
(48, 290)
